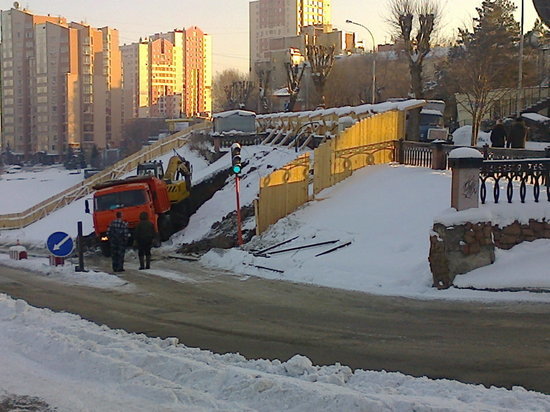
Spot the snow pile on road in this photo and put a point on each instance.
(72, 364)
(65, 273)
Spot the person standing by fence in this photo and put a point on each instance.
(518, 134)
(118, 239)
(144, 236)
(498, 134)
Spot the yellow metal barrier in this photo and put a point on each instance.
(282, 192)
(368, 142)
(78, 191)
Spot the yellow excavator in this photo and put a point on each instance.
(177, 176)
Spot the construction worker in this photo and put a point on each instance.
(118, 238)
(144, 235)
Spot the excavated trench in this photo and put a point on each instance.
(200, 194)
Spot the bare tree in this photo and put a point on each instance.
(414, 22)
(294, 74)
(221, 82)
(237, 94)
(350, 82)
(321, 61)
(263, 90)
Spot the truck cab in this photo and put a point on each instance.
(130, 196)
(432, 125)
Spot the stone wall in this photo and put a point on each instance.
(460, 249)
(509, 236)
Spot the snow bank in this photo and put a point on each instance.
(65, 273)
(463, 137)
(73, 365)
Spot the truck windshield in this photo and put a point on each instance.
(431, 120)
(119, 200)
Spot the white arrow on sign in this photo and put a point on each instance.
(57, 246)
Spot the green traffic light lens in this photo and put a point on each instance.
(237, 169)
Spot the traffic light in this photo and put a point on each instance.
(236, 166)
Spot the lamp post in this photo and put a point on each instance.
(520, 76)
(373, 58)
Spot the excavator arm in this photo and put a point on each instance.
(178, 178)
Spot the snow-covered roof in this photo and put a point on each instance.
(229, 113)
(432, 112)
(347, 110)
(536, 117)
(281, 92)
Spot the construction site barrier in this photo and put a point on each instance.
(282, 192)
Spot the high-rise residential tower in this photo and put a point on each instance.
(61, 85)
(270, 19)
(168, 75)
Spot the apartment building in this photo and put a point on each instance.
(100, 86)
(271, 19)
(60, 85)
(168, 75)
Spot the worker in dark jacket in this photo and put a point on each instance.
(498, 134)
(118, 238)
(144, 235)
(518, 134)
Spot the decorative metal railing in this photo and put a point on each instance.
(532, 172)
(421, 154)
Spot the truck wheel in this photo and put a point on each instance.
(105, 249)
(165, 227)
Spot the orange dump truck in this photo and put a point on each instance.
(130, 196)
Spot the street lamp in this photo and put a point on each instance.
(373, 58)
(520, 70)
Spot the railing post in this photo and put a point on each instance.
(465, 163)
(486, 152)
(399, 154)
(547, 152)
(439, 160)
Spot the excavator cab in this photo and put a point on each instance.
(178, 178)
(154, 169)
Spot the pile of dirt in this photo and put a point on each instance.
(223, 234)
(24, 403)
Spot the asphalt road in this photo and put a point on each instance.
(492, 344)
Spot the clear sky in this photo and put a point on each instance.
(227, 20)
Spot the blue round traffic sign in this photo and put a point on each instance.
(60, 244)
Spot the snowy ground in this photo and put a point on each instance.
(75, 365)
(31, 185)
(386, 212)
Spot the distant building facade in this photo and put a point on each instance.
(168, 75)
(271, 19)
(60, 85)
